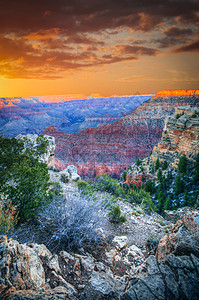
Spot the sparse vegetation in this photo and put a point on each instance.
(138, 162)
(74, 222)
(8, 217)
(115, 215)
(179, 115)
(64, 178)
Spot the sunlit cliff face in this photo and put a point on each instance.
(105, 47)
(169, 93)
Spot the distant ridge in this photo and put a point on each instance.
(171, 93)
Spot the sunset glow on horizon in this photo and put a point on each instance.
(103, 48)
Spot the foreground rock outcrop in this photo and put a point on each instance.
(111, 148)
(31, 271)
(49, 156)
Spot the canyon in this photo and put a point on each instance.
(31, 115)
(114, 147)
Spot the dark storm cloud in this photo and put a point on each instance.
(177, 32)
(190, 47)
(136, 50)
(174, 35)
(91, 15)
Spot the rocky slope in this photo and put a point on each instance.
(113, 147)
(31, 271)
(180, 136)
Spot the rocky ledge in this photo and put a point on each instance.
(31, 271)
(49, 156)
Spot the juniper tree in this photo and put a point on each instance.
(24, 179)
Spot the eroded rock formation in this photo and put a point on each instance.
(113, 147)
(31, 271)
(180, 136)
(49, 156)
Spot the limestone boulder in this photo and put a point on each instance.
(20, 266)
(182, 239)
(30, 271)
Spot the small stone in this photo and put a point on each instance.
(81, 286)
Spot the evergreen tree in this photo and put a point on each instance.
(159, 175)
(157, 164)
(178, 185)
(164, 165)
(186, 198)
(182, 165)
(24, 179)
(123, 177)
(152, 168)
(169, 175)
(138, 162)
(167, 204)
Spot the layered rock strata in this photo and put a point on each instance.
(169, 93)
(180, 136)
(113, 147)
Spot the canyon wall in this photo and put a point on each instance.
(180, 137)
(170, 93)
(113, 147)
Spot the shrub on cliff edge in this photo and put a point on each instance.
(74, 222)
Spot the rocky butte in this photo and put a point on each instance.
(180, 137)
(113, 147)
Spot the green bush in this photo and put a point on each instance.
(115, 215)
(196, 172)
(64, 178)
(85, 187)
(107, 184)
(8, 217)
(123, 177)
(42, 144)
(147, 203)
(150, 186)
(53, 169)
(138, 196)
(179, 115)
(138, 162)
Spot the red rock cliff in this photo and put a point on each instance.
(170, 93)
(113, 147)
(180, 136)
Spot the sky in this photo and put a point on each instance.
(98, 47)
